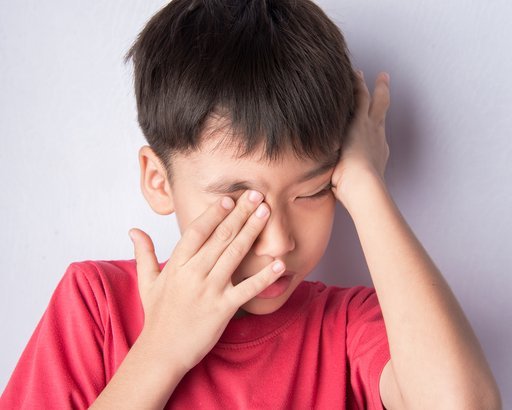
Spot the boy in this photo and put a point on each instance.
(257, 125)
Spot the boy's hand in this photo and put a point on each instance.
(366, 151)
(189, 303)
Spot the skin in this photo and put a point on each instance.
(200, 289)
(298, 228)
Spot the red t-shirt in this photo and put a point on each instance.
(325, 348)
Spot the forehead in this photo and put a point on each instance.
(218, 139)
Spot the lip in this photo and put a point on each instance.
(285, 273)
(277, 288)
(288, 273)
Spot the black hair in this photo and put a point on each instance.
(277, 71)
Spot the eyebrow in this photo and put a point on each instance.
(228, 187)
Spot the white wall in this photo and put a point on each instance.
(68, 158)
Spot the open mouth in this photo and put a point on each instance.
(277, 288)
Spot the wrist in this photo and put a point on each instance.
(359, 188)
(164, 358)
(143, 380)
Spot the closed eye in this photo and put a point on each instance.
(320, 194)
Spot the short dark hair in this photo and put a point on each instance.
(278, 71)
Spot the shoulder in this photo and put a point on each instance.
(348, 308)
(102, 275)
(94, 278)
(101, 293)
(350, 299)
(99, 285)
(101, 270)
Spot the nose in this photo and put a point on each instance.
(276, 238)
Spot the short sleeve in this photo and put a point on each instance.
(367, 347)
(62, 364)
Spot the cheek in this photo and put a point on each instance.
(314, 227)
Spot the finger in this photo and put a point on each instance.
(147, 263)
(200, 229)
(241, 244)
(380, 99)
(206, 258)
(251, 287)
(362, 94)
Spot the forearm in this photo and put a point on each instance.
(435, 356)
(140, 382)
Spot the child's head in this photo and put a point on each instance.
(238, 94)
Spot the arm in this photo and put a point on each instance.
(436, 360)
(143, 381)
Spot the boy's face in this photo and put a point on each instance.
(301, 210)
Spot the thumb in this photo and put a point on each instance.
(147, 263)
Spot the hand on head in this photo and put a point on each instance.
(366, 150)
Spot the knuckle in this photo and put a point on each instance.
(246, 208)
(364, 90)
(236, 250)
(386, 100)
(243, 210)
(231, 298)
(248, 291)
(364, 99)
(383, 94)
(262, 279)
(254, 227)
(194, 233)
(223, 232)
(376, 128)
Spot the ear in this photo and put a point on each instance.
(154, 183)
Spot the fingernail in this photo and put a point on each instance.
(278, 267)
(227, 203)
(130, 234)
(387, 77)
(255, 196)
(262, 211)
